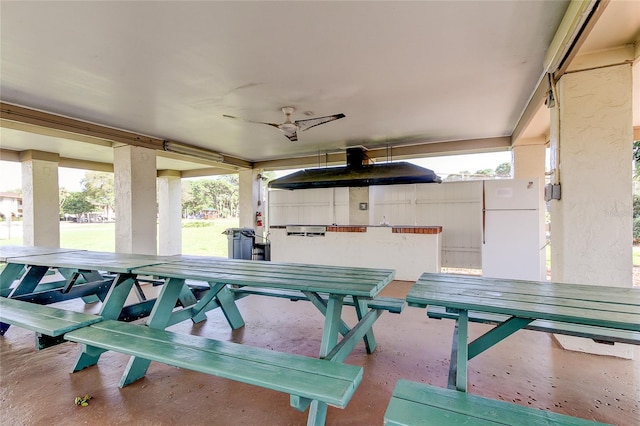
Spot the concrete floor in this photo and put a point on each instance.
(528, 368)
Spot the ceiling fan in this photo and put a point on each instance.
(289, 128)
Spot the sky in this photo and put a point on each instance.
(69, 179)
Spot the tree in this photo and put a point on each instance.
(220, 193)
(503, 170)
(77, 203)
(484, 173)
(99, 189)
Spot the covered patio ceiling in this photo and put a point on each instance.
(414, 79)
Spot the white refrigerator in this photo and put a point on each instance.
(513, 230)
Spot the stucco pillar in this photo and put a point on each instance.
(40, 199)
(591, 225)
(135, 199)
(250, 200)
(528, 157)
(169, 213)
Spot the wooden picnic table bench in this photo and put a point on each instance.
(603, 335)
(394, 305)
(48, 322)
(421, 404)
(308, 380)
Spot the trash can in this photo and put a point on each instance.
(240, 242)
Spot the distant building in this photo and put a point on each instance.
(10, 202)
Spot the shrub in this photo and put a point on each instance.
(198, 224)
(636, 230)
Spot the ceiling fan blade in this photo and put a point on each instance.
(251, 121)
(293, 137)
(312, 122)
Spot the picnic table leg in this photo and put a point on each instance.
(332, 323)
(463, 350)
(229, 308)
(9, 274)
(321, 304)
(361, 310)
(29, 281)
(89, 276)
(187, 298)
(159, 318)
(111, 308)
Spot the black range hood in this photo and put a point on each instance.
(356, 173)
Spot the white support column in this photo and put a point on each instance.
(529, 159)
(250, 200)
(135, 199)
(170, 213)
(40, 199)
(591, 238)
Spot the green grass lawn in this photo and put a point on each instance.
(203, 238)
(198, 238)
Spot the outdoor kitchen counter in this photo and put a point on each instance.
(410, 250)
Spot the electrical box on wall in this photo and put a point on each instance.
(552, 191)
(363, 206)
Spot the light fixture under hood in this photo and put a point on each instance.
(192, 151)
(356, 173)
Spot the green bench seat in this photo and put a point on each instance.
(391, 304)
(305, 379)
(598, 334)
(420, 404)
(44, 320)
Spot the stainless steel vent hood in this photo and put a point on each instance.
(357, 173)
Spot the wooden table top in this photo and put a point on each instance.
(9, 252)
(613, 307)
(93, 260)
(362, 282)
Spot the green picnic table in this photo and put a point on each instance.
(520, 303)
(325, 286)
(85, 272)
(13, 271)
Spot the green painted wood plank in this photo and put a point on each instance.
(346, 276)
(235, 350)
(43, 319)
(297, 269)
(625, 295)
(628, 300)
(586, 331)
(282, 273)
(306, 283)
(102, 261)
(311, 378)
(603, 301)
(561, 302)
(438, 406)
(300, 266)
(8, 252)
(423, 296)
